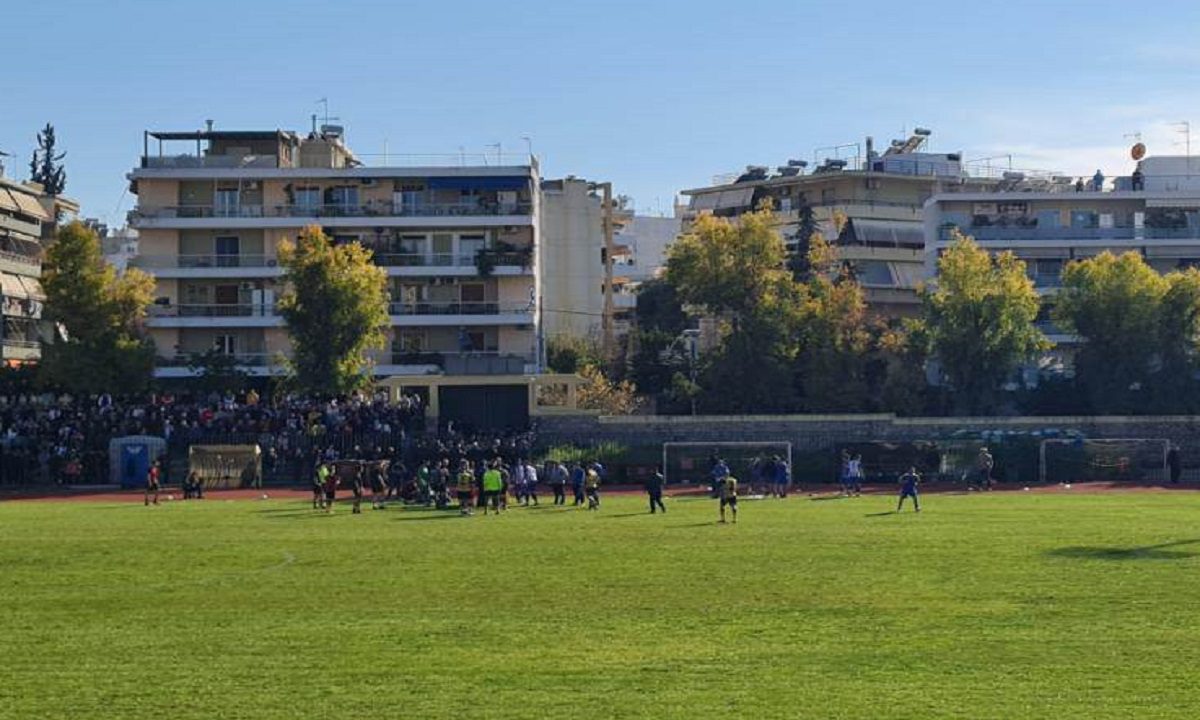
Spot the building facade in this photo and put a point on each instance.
(458, 244)
(871, 209)
(1155, 211)
(28, 217)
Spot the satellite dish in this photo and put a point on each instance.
(1138, 151)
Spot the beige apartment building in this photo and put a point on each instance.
(870, 207)
(28, 217)
(457, 243)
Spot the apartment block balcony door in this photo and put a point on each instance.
(225, 300)
(227, 249)
(226, 203)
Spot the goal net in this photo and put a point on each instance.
(1083, 460)
(692, 462)
(226, 466)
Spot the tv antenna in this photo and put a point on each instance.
(325, 116)
(1183, 127)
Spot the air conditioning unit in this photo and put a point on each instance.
(252, 185)
(369, 182)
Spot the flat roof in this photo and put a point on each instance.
(416, 171)
(817, 177)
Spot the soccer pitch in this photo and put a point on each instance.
(1005, 605)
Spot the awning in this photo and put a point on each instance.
(736, 198)
(705, 201)
(888, 232)
(478, 183)
(33, 287)
(11, 286)
(7, 201)
(29, 205)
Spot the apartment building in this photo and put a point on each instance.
(1049, 221)
(458, 244)
(28, 217)
(869, 205)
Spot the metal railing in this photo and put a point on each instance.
(380, 208)
(18, 343)
(246, 359)
(459, 308)
(391, 259)
(162, 162)
(214, 310)
(35, 262)
(204, 261)
(1033, 232)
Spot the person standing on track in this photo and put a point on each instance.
(654, 488)
(152, 483)
(856, 476)
(1174, 464)
(729, 496)
(556, 475)
(318, 489)
(331, 484)
(909, 482)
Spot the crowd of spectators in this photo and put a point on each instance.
(65, 440)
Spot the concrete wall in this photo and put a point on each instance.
(570, 267)
(822, 432)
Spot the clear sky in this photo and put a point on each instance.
(656, 96)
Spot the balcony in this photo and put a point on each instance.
(1071, 235)
(382, 212)
(473, 362)
(16, 349)
(19, 264)
(150, 262)
(214, 315)
(442, 314)
(246, 359)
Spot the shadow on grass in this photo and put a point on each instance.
(693, 525)
(450, 515)
(882, 514)
(1147, 552)
(624, 515)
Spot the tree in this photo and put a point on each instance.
(738, 275)
(567, 354)
(1129, 331)
(102, 346)
(980, 321)
(217, 372)
(335, 309)
(806, 229)
(45, 166)
(597, 392)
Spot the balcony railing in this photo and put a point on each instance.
(171, 162)
(33, 262)
(19, 343)
(213, 310)
(204, 261)
(381, 208)
(1053, 234)
(459, 308)
(247, 359)
(391, 259)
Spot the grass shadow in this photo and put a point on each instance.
(693, 525)
(882, 514)
(450, 515)
(1147, 552)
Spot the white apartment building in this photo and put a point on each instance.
(1048, 222)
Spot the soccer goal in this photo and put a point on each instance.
(1064, 460)
(226, 466)
(692, 462)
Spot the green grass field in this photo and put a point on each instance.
(983, 606)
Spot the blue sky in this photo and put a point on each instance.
(655, 96)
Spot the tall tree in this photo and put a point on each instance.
(1114, 304)
(738, 275)
(980, 321)
(335, 309)
(102, 346)
(45, 166)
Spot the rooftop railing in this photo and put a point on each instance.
(171, 162)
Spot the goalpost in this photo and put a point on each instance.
(691, 462)
(226, 466)
(1064, 460)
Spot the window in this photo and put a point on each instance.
(345, 197)
(1084, 219)
(874, 272)
(443, 249)
(409, 198)
(469, 245)
(225, 203)
(225, 344)
(409, 341)
(227, 248)
(308, 200)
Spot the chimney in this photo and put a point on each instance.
(870, 153)
(208, 125)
